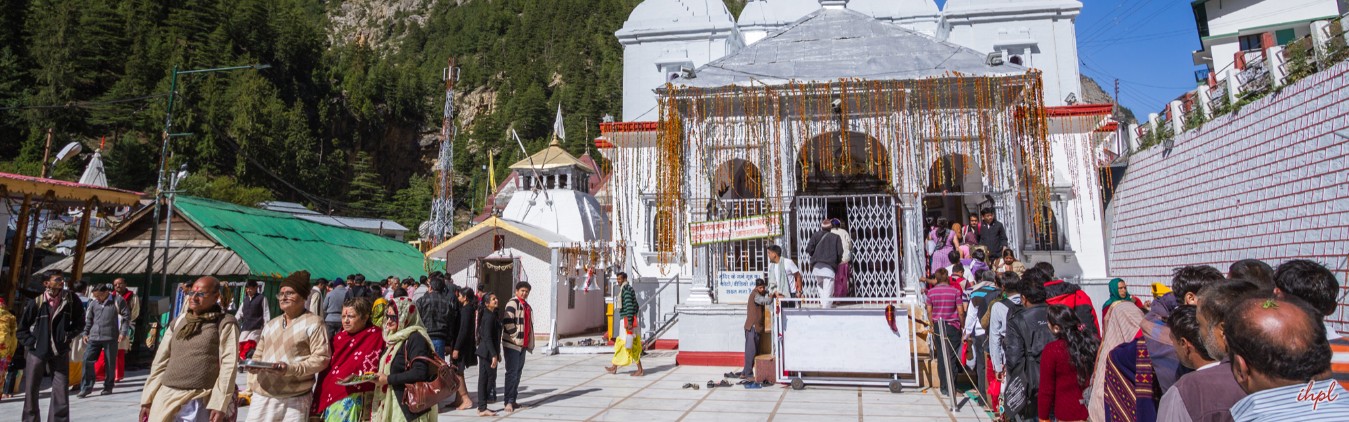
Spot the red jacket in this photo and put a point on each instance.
(1060, 395)
(1068, 294)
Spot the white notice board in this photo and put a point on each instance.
(733, 287)
(850, 340)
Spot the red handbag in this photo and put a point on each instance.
(424, 395)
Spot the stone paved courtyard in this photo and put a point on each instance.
(576, 388)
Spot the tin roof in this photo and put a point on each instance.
(831, 44)
(232, 240)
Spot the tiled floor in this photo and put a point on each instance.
(576, 388)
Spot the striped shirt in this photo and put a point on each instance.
(1339, 359)
(945, 300)
(1294, 402)
(627, 301)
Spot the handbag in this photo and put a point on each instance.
(424, 395)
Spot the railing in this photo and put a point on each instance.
(1255, 78)
(1259, 73)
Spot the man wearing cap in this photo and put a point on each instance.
(296, 344)
(253, 312)
(826, 252)
(107, 320)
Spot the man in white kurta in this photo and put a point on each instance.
(192, 377)
(296, 342)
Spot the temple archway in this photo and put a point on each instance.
(842, 163)
(737, 179)
(847, 176)
(738, 192)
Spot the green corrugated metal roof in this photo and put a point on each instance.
(274, 244)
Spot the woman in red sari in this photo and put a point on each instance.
(356, 351)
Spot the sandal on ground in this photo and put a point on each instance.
(688, 385)
(711, 384)
(733, 374)
(723, 383)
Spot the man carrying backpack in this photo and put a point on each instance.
(1027, 334)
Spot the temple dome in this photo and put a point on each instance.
(665, 16)
(895, 9)
(775, 13)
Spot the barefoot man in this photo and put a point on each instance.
(628, 345)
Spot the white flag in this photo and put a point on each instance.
(557, 126)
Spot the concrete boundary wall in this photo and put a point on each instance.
(1270, 181)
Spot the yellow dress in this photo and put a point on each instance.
(9, 343)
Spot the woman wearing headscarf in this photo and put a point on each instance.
(405, 340)
(1119, 293)
(1120, 327)
(377, 310)
(356, 351)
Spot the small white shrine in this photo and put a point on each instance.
(553, 234)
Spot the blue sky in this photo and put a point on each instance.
(1144, 43)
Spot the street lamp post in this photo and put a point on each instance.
(163, 161)
(168, 219)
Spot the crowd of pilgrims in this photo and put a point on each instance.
(344, 350)
(1254, 344)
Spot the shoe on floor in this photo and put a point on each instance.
(106, 391)
(84, 394)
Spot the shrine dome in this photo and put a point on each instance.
(894, 9)
(774, 13)
(665, 16)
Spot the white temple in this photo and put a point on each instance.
(929, 118)
(551, 233)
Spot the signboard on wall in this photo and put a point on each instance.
(745, 228)
(733, 287)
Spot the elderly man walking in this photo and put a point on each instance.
(296, 343)
(192, 376)
(106, 322)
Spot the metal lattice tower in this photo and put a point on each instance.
(441, 224)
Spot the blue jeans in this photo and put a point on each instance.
(515, 363)
(439, 345)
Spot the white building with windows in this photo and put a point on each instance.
(1229, 27)
(753, 154)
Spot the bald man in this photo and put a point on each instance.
(1280, 357)
(192, 377)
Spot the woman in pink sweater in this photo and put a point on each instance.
(1065, 367)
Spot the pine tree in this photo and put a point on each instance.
(365, 193)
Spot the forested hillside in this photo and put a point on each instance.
(345, 119)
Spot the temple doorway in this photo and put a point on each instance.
(846, 175)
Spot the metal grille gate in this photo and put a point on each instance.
(874, 225)
(740, 255)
